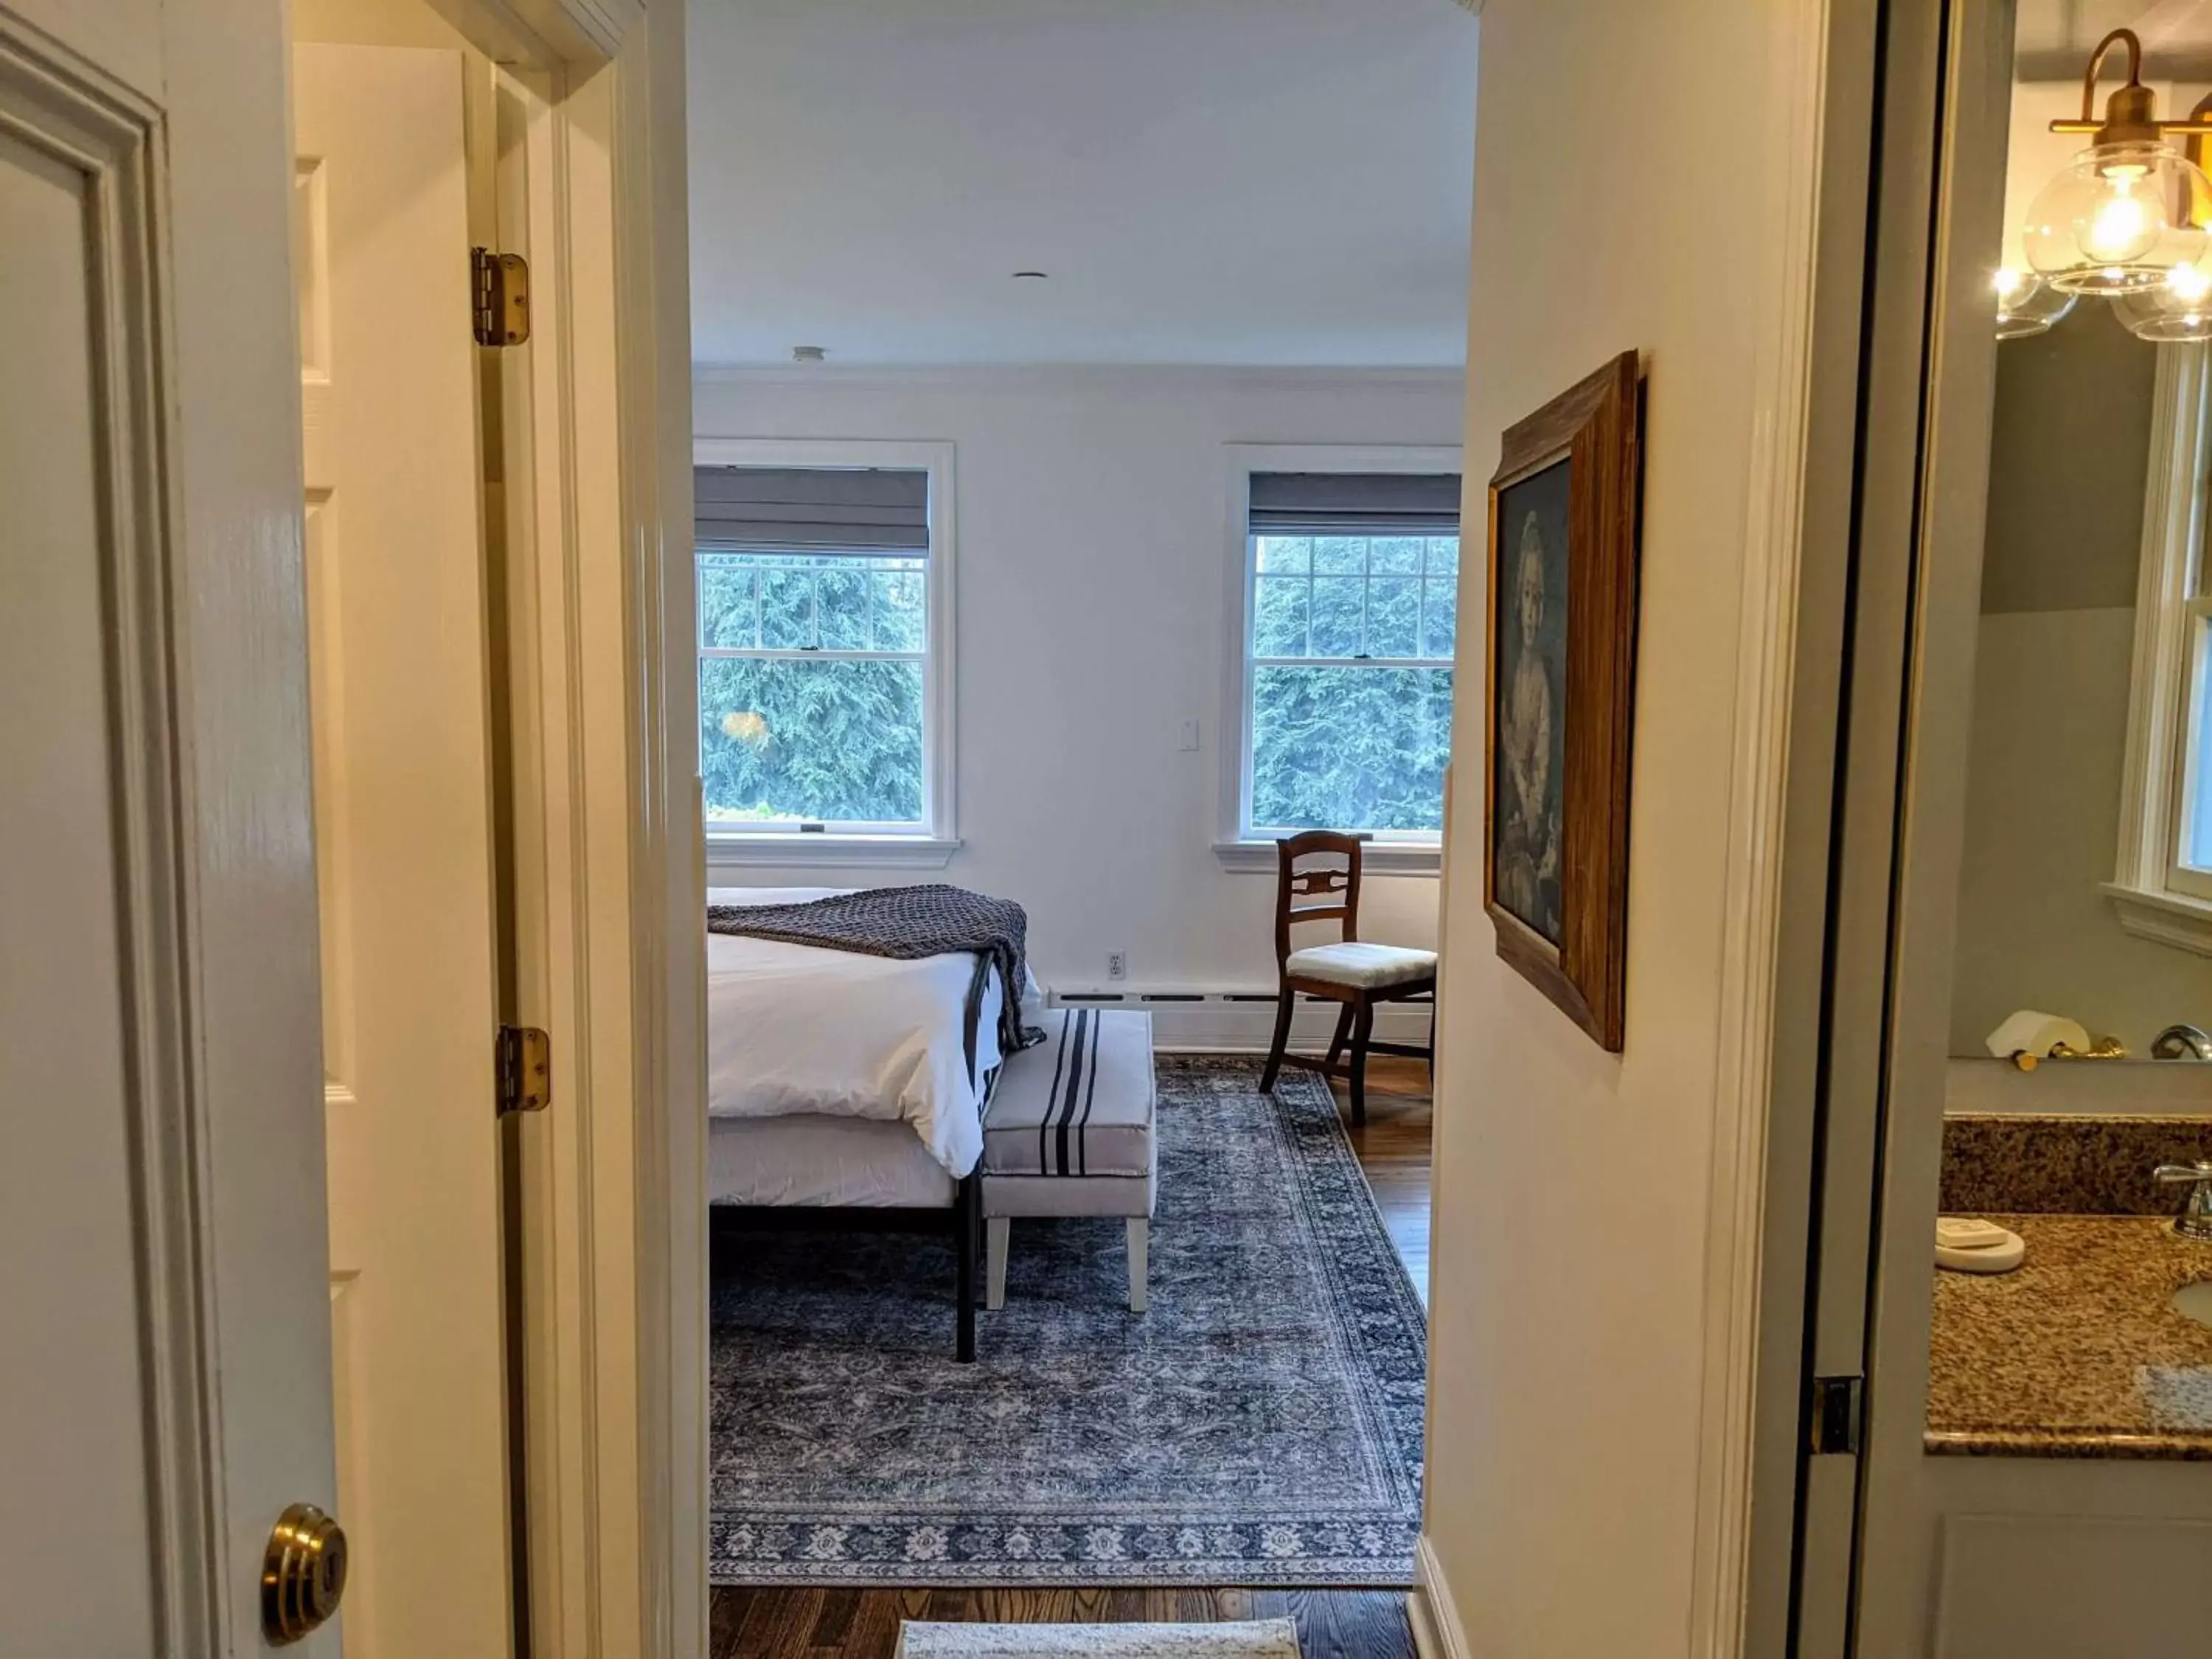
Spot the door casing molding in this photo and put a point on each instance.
(1805, 400)
(601, 719)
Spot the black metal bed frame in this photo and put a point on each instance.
(962, 1220)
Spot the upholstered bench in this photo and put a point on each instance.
(1069, 1133)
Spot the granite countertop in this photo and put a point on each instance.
(2077, 1353)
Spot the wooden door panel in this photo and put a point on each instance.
(138, 800)
(76, 1492)
(403, 824)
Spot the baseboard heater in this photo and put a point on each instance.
(1086, 999)
(1204, 1020)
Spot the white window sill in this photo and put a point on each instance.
(1383, 858)
(2165, 918)
(850, 852)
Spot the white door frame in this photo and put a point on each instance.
(597, 439)
(1802, 1245)
(1814, 182)
(1813, 185)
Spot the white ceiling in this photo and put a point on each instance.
(1278, 182)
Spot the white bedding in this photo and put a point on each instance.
(795, 1029)
(835, 1161)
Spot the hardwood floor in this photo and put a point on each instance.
(1394, 1149)
(1333, 1624)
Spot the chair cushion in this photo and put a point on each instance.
(1078, 1103)
(1368, 967)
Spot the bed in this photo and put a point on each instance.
(846, 1092)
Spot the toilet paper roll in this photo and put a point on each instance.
(2030, 1032)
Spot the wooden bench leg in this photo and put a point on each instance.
(1139, 1237)
(994, 1257)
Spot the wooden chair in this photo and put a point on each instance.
(1317, 879)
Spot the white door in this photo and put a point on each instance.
(165, 1384)
(395, 594)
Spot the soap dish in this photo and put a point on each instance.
(1977, 1247)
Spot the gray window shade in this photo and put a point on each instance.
(814, 509)
(1355, 504)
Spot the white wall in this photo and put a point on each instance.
(1093, 620)
(1618, 203)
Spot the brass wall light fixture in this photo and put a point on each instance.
(2027, 304)
(2126, 218)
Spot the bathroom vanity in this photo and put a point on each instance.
(2067, 1451)
(2080, 1351)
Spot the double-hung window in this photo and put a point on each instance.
(2162, 888)
(1351, 583)
(822, 677)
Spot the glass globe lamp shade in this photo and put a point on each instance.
(2178, 309)
(2116, 219)
(2027, 304)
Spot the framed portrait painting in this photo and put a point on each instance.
(1560, 694)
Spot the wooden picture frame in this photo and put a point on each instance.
(1560, 683)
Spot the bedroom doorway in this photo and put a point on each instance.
(478, 457)
(1039, 600)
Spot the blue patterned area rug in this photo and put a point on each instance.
(1262, 1424)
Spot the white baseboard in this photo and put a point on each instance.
(1202, 1021)
(1430, 1609)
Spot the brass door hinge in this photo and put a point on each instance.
(499, 289)
(522, 1067)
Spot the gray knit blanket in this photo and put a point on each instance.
(907, 923)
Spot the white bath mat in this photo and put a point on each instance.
(1256, 1638)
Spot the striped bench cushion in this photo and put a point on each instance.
(1078, 1103)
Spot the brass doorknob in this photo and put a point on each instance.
(303, 1575)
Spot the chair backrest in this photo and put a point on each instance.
(1317, 879)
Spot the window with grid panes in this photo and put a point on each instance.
(814, 649)
(1353, 583)
(2162, 888)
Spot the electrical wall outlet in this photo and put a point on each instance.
(1117, 965)
(1188, 740)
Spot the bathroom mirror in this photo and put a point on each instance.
(2085, 883)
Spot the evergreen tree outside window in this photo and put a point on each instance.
(810, 689)
(1351, 584)
(820, 648)
(1351, 682)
